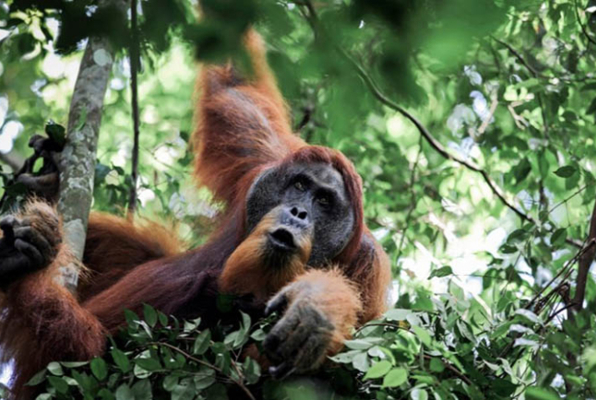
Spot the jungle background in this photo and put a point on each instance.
(471, 122)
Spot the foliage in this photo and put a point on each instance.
(470, 121)
(161, 357)
(456, 347)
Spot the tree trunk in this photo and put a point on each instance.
(77, 160)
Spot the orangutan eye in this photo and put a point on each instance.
(324, 200)
(299, 185)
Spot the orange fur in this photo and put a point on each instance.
(114, 245)
(243, 128)
(245, 272)
(334, 295)
(38, 311)
(242, 124)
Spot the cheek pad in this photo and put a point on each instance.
(332, 233)
(263, 196)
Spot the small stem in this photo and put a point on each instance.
(205, 363)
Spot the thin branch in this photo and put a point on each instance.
(520, 58)
(585, 261)
(563, 270)
(134, 54)
(208, 365)
(582, 26)
(412, 202)
(568, 198)
(434, 143)
(489, 117)
(534, 71)
(559, 311)
(452, 369)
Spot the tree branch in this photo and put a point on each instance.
(134, 70)
(585, 261)
(582, 26)
(434, 143)
(77, 160)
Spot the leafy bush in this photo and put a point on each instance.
(455, 348)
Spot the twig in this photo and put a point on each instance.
(585, 261)
(563, 270)
(134, 53)
(517, 55)
(452, 369)
(560, 310)
(582, 26)
(520, 122)
(206, 364)
(491, 112)
(412, 202)
(434, 143)
(386, 324)
(568, 198)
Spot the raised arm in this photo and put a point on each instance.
(242, 122)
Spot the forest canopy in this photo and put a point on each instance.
(471, 122)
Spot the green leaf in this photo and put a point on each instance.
(59, 384)
(163, 319)
(150, 315)
(105, 394)
(99, 368)
(566, 171)
(170, 382)
(436, 365)
(259, 335)
(397, 314)
(204, 379)
(441, 272)
(124, 392)
(395, 377)
(378, 370)
(419, 394)
(558, 237)
(537, 393)
(252, 370)
(423, 335)
(142, 390)
(37, 378)
(358, 344)
(55, 368)
(148, 364)
(202, 342)
(121, 360)
(73, 364)
(361, 362)
(529, 315)
(592, 107)
(522, 170)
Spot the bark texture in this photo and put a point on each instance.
(77, 161)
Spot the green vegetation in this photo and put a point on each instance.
(471, 123)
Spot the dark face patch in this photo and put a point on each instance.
(314, 190)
